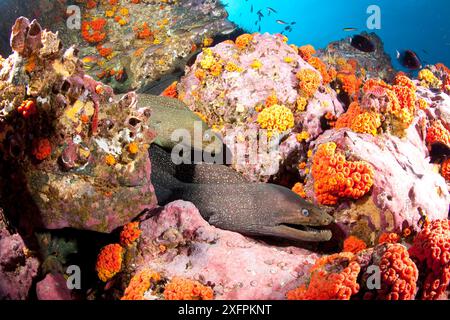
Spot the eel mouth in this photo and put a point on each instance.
(301, 233)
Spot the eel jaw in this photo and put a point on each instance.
(298, 233)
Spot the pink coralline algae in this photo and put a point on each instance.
(53, 287)
(256, 71)
(17, 268)
(239, 268)
(394, 180)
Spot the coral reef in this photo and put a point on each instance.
(239, 268)
(68, 140)
(332, 278)
(262, 81)
(399, 274)
(431, 250)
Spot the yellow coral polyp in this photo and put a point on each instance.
(303, 136)
(231, 67)
(216, 69)
(141, 282)
(133, 148)
(302, 102)
(367, 122)
(276, 119)
(256, 64)
(110, 160)
(207, 62)
(428, 79)
(336, 178)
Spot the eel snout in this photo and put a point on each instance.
(301, 226)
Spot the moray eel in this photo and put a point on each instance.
(169, 115)
(228, 202)
(224, 197)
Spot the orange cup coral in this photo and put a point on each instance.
(185, 289)
(109, 261)
(438, 133)
(332, 278)
(388, 238)
(243, 40)
(309, 82)
(431, 250)
(335, 177)
(399, 274)
(27, 108)
(141, 282)
(354, 245)
(41, 149)
(129, 234)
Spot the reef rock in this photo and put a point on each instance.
(53, 287)
(258, 82)
(17, 268)
(404, 183)
(178, 242)
(375, 64)
(73, 154)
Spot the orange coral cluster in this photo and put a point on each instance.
(431, 250)
(354, 245)
(399, 275)
(346, 76)
(141, 282)
(359, 121)
(171, 91)
(309, 82)
(332, 278)
(388, 237)
(143, 31)
(445, 169)
(129, 234)
(109, 261)
(93, 31)
(243, 40)
(335, 177)
(184, 289)
(307, 52)
(41, 149)
(299, 189)
(104, 52)
(438, 133)
(27, 108)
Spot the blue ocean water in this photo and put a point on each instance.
(419, 25)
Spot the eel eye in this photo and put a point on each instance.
(305, 212)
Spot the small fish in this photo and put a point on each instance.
(259, 29)
(260, 14)
(409, 59)
(281, 22)
(251, 9)
(293, 23)
(439, 152)
(271, 10)
(350, 29)
(362, 43)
